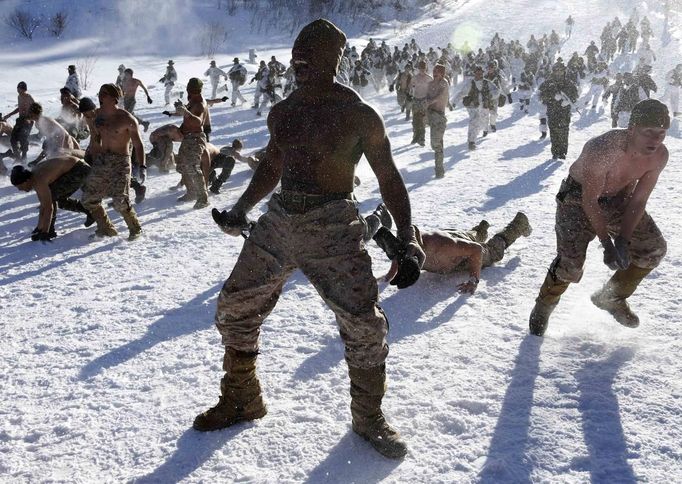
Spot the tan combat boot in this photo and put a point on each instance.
(480, 231)
(132, 222)
(241, 398)
(612, 297)
(518, 227)
(550, 293)
(104, 226)
(367, 388)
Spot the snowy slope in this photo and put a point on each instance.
(110, 351)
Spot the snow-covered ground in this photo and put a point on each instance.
(109, 349)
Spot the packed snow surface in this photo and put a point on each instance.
(109, 348)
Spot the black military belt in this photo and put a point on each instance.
(299, 202)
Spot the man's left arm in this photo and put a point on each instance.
(137, 145)
(144, 88)
(46, 207)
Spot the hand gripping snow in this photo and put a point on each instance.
(408, 267)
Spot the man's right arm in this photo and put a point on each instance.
(592, 188)
(46, 207)
(9, 115)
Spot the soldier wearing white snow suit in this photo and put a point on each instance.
(237, 75)
(312, 224)
(605, 196)
(478, 101)
(214, 74)
(168, 80)
(73, 83)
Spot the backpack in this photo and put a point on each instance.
(238, 75)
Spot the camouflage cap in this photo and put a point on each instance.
(86, 104)
(650, 113)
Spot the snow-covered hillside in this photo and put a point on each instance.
(110, 351)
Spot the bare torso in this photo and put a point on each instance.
(129, 86)
(613, 164)
(190, 124)
(24, 102)
(420, 85)
(319, 139)
(46, 173)
(114, 130)
(438, 94)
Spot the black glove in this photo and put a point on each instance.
(167, 113)
(231, 223)
(224, 98)
(509, 98)
(142, 174)
(149, 100)
(408, 267)
(616, 256)
(390, 88)
(622, 251)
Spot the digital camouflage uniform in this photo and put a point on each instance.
(65, 186)
(418, 121)
(109, 177)
(188, 164)
(326, 244)
(437, 124)
(574, 232)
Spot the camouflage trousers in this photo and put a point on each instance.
(437, 124)
(419, 120)
(326, 244)
(109, 177)
(574, 232)
(188, 164)
(67, 184)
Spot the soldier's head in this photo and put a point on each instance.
(648, 125)
(262, 63)
(71, 69)
(212, 63)
(21, 178)
(86, 107)
(194, 87)
(237, 144)
(421, 65)
(65, 95)
(35, 111)
(109, 94)
(128, 72)
(317, 52)
(439, 72)
(273, 59)
(235, 60)
(170, 63)
(21, 87)
(478, 72)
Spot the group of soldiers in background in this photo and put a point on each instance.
(482, 81)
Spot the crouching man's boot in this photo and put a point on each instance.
(104, 226)
(549, 296)
(518, 227)
(367, 388)
(612, 297)
(132, 222)
(241, 398)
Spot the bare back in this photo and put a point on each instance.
(24, 101)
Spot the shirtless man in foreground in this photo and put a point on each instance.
(317, 136)
(605, 195)
(54, 183)
(114, 130)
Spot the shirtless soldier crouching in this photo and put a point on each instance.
(113, 131)
(317, 136)
(54, 182)
(605, 195)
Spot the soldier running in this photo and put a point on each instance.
(22, 127)
(312, 224)
(129, 87)
(605, 195)
(113, 131)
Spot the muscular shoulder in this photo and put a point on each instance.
(125, 118)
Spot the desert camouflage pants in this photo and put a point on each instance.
(326, 244)
(67, 184)
(437, 124)
(188, 164)
(109, 177)
(419, 120)
(574, 233)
